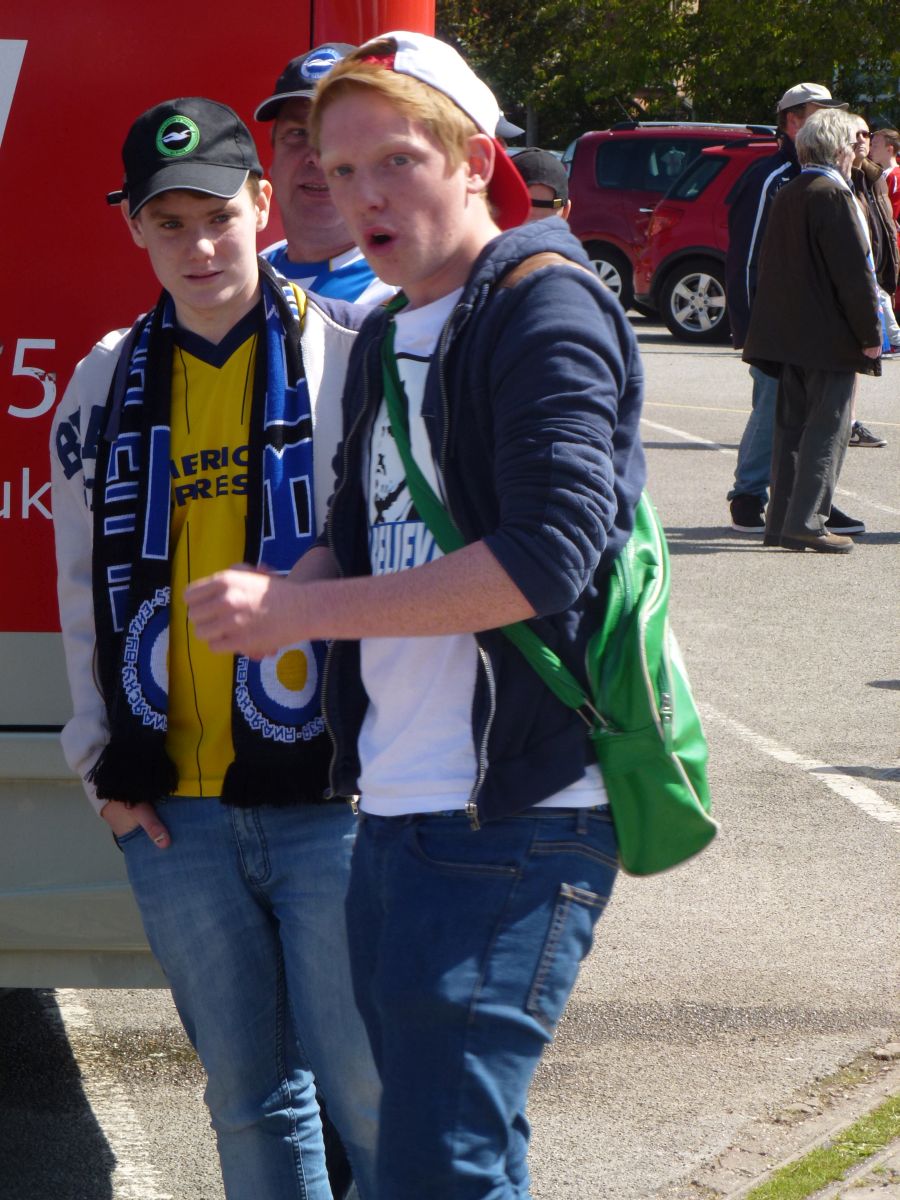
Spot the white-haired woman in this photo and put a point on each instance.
(814, 325)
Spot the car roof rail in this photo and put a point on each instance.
(758, 139)
(673, 124)
(758, 129)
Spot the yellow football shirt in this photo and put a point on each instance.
(212, 390)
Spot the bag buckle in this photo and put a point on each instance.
(592, 716)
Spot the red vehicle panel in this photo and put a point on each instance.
(72, 79)
(680, 269)
(616, 179)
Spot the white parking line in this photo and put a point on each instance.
(688, 437)
(844, 786)
(885, 508)
(692, 437)
(134, 1177)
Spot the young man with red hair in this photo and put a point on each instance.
(485, 853)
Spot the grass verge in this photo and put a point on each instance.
(831, 1163)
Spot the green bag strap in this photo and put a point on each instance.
(558, 678)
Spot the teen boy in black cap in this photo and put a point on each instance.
(185, 446)
(318, 251)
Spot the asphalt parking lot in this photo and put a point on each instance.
(720, 995)
(722, 1000)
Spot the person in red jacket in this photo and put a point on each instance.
(885, 146)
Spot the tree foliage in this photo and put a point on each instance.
(584, 64)
(741, 57)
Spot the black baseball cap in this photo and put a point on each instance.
(540, 166)
(190, 143)
(300, 76)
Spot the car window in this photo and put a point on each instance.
(613, 164)
(698, 176)
(645, 164)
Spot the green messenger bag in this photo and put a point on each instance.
(646, 729)
(641, 714)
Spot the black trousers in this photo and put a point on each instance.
(812, 430)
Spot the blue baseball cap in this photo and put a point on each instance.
(300, 76)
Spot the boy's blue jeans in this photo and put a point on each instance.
(465, 946)
(245, 912)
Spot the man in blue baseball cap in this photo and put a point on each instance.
(317, 252)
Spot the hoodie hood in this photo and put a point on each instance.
(551, 235)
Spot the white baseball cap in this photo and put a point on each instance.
(809, 93)
(439, 66)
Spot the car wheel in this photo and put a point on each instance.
(692, 301)
(614, 270)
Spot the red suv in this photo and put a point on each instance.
(616, 178)
(680, 269)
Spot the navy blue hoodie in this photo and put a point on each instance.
(532, 406)
(747, 219)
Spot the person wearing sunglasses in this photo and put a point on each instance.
(547, 183)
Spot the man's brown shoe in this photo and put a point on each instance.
(825, 543)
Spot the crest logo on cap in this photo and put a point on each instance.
(177, 136)
(319, 64)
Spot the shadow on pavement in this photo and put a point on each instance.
(720, 539)
(667, 342)
(679, 445)
(880, 539)
(50, 1142)
(877, 773)
(711, 539)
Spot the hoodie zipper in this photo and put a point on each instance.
(471, 807)
(472, 802)
(354, 800)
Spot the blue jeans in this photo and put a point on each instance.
(465, 946)
(754, 461)
(245, 912)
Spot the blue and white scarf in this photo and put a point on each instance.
(282, 750)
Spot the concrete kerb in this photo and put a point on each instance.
(767, 1144)
(878, 1178)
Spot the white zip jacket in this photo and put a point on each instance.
(329, 329)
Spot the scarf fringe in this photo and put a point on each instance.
(133, 773)
(249, 784)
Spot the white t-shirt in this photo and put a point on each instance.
(416, 745)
